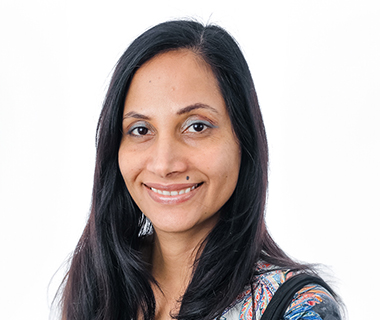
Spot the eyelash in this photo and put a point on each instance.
(205, 125)
(130, 131)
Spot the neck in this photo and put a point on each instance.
(174, 254)
(173, 258)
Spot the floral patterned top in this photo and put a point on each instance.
(313, 302)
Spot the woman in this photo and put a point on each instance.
(177, 220)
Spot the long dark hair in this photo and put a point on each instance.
(108, 278)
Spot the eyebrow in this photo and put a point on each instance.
(196, 106)
(132, 114)
(184, 110)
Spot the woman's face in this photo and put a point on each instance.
(178, 156)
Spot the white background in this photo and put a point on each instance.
(316, 69)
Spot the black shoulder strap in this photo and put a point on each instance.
(285, 293)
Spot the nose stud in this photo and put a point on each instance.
(187, 177)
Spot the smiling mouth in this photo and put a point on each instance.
(175, 192)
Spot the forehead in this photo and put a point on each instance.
(181, 61)
(175, 78)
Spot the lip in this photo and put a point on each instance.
(171, 187)
(172, 199)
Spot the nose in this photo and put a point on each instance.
(167, 157)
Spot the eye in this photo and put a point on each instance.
(198, 126)
(138, 131)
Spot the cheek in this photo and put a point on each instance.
(225, 165)
(127, 164)
(230, 174)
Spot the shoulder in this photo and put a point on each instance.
(312, 302)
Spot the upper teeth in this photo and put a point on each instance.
(173, 193)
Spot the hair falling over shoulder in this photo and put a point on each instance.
(108, 278)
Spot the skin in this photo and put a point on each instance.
(178, 139)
